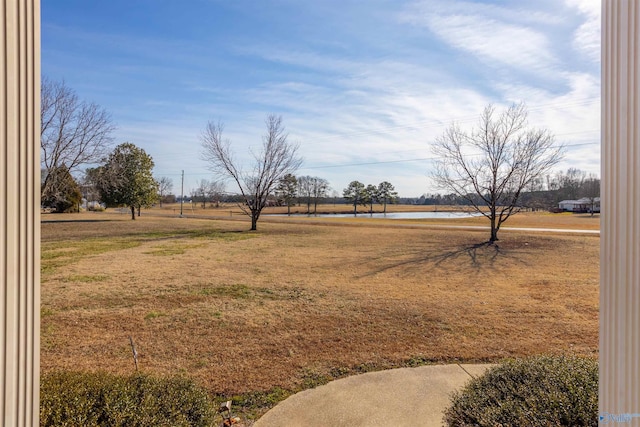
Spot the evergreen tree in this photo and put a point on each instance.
(287, 190)
(355, 193)
(62, 192)
(126, 179)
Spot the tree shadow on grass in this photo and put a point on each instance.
(476, 256)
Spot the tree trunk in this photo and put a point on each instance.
(254, 220)
(494, 229)
(355, 209)
(133, 213)
(288, 209)
(138, 210)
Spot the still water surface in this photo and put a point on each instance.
(396, 215)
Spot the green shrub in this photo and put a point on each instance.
(100, 399)
(539, 391)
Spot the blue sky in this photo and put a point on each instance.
(363, 86)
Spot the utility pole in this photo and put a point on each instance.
(181, 193)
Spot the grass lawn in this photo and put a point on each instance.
(296, 304)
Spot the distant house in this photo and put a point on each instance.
(580, 206)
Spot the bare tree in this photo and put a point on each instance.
(213, 192)
(305, 190)
(72, 132)
(90, 186)
(570, 183)
(591, 189)
(201, 193)
(276, 159)
(320, 189)
(312, 188)
(491, 165)
(165, 185)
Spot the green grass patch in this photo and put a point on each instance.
(237, 291)
(48, 337)
(53, 258)
(86, 278)
(242, 291)
(171, 249)
(153, 315)
(194, 234)
(45, 311)
(253, 404)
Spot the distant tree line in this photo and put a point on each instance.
(310, 190)
(211, 192)
(76, 133)
(541, 194)
(573, 184)
(357, 193)
(508, 172)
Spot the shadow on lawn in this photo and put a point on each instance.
(476, 256)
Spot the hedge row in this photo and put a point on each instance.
(99, 399)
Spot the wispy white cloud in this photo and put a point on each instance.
(370, 82)
(523, 13)
(496, 36)
(587, 36)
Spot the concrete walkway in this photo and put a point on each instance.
(397, 397)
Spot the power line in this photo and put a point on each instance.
(381, 162)
(414, 159)
(370, 163)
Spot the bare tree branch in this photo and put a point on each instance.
(491, 165)
(72, 132)
(276, 159)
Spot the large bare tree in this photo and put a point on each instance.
(490, 165)
(276, 158)
(72, 132)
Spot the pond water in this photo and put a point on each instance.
(396, 215)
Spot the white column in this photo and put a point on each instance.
(19, 212)
(620, 218)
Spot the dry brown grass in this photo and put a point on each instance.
(540, 219)
(247, 311)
